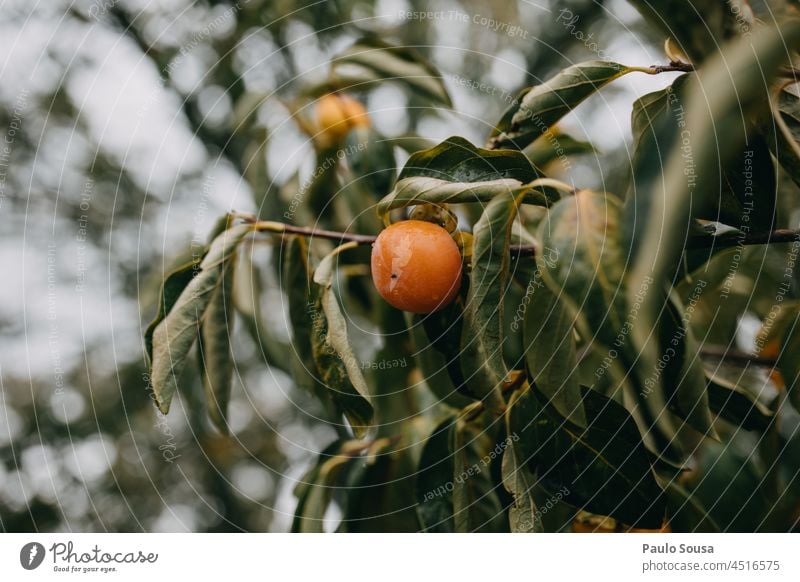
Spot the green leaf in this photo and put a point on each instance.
(443, 330)
(372, 60)
(679, 370)
(730, 484)
(476, 507)
(457, 160)
(216, 361)
(520, 482)
(174, 284)
(483, 335)
(788, 360)
(296, 279)
(604, 468)
(380, 489)
(738, 78)
(730, 400)
(455, 171)
(787, 134)
(434, 365)
(747, 184)
(586, 264)
(697, 26)
(247, 290)
(337, 365)
(413, 191)
(177, 280)
(556, 147)
(434, 486)
(315, 489)
(686, 513)
(541, 106)
(550, 353)
(174, 336)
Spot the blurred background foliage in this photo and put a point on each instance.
(131, 125)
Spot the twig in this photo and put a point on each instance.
(673, 67)
(781, 235)
(736, 356)
(281, 228)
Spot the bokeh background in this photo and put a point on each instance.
(122, 141)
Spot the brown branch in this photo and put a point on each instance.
(736, 356)
(673, 67)
(361, 239)
(781, 235)
(681, 67)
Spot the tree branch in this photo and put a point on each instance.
(736, 356)
(781, 235)
(673, 67)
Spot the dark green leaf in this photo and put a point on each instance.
(585, 264)
(296, 280)
(739, 90)
(789, 359)
(604, 468)
(443, 330)
(543, 105)
(549, 341)
(380, 490)
(435, 369)
(736, 404)
(787, 134)
(747, 184)
(413, 191)
(685, 513)
(556, 147)
(730, 486)
(697, 26)
(476, 507)
(483, 334)
(457, 160)
(679, 370)
(456, 171)
(315, 489)
(434, 487)
(520, 482)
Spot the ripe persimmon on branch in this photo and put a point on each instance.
(701, 241)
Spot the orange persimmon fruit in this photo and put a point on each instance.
(337, 114)
(416, 266)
